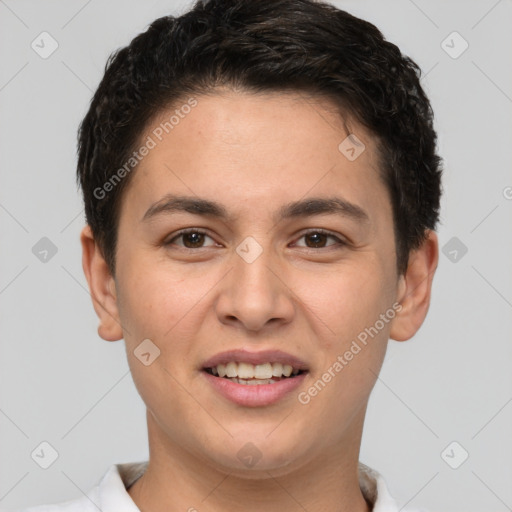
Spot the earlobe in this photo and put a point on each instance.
(101, 286)
(414, 289)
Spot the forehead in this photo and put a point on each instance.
(250, 149)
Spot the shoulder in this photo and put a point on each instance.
(376, 492)
(83, 504)
(109, 495)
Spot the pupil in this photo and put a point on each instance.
(316, 236)
(197, 238)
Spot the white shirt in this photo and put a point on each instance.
(111, 494)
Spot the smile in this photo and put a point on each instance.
(250, 374)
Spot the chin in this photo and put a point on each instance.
(255, 459)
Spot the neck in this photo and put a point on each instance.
(177, 480)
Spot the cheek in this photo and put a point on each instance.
(351, 355)
(164, 307)
(154, 300)
(345, 302)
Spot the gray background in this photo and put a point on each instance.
(62, 384)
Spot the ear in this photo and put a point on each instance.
(414, 289)
(102, 287)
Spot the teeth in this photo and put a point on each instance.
(277, 369)
(221, 368)
(252, 382)
(287, 370)
(245, 371)
(259, 372)
(231, 370)
(263, 371)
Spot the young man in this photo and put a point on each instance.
(261, 188)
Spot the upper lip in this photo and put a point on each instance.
(261, 357)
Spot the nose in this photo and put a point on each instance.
(254, 295)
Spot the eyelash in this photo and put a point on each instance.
(310, 232)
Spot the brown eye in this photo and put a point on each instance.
(192, 239)
(317, 239)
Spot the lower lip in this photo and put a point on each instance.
(257, 395)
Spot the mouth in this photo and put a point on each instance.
(254, 379)
(253, 375)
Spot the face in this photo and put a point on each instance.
(246, 235)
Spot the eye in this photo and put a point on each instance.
(192, 238)
(317, 238)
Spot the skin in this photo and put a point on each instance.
(253, 154)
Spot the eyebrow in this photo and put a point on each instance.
(304, 208)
